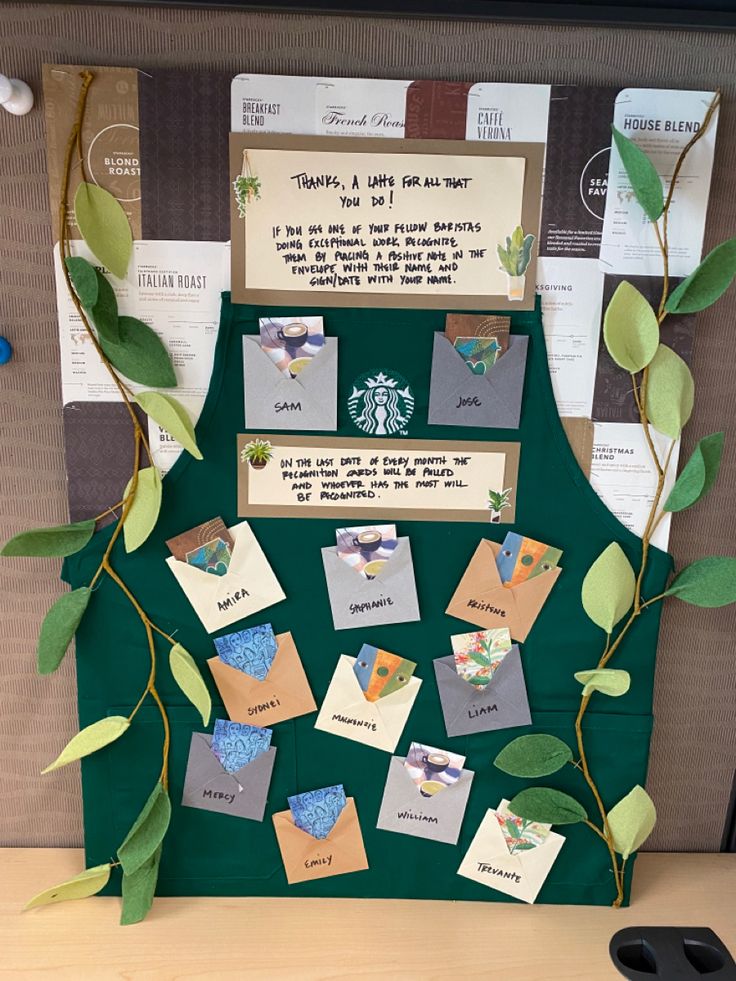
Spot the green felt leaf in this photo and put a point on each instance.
(140, 355)
(89, 740)
(84, 279)
(645, 181)
(707, 283)
(630, 328)
(631, 821)
(104, 227)
(171, 415)
(608, 681)
(104, 313)
(147, 831)
(59, 626)
(698, 475)
(85, 884)
(188, 677)
(512, 829)
(58, 541)
(547, 806)
(524, 846)
(670, 392)
(139, 889)
(608, 588)
(142, 515)
(536, 755)
(707, 582)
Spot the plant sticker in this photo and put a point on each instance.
(381, 403)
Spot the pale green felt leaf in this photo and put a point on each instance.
(630, 328)
(104, 227)
(709, 281)
(631, 821)
(141, 517)
(140, 355)
(670, 392)
(698, 475)
(89, 740)
(188, 677)
(547, 806)
(645, 181)
(147, 831)
(139, 889)
(536, 755)
(104, 313)
(84, 279)
(707, 582)
(58, 628)
(608, 681)
(608, 588)
(171, 415)
(58, 541)
(85, 884)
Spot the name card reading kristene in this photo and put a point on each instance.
(428, 480)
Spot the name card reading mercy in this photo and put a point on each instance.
(408, 479)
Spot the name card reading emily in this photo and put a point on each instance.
(415, 480)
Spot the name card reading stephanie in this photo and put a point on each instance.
(414, 480)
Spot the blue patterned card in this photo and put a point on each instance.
(235, 744)
(251, 650)
(316, 811)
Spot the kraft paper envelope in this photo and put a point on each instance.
(457, 397)
(283, 694)
(249, 585)
(405, 810)
(501, 704)
(359, 602)
(489, 861)
(273, 401)
(483, 600)
(347, 712)
(209, 786)
(306, 857)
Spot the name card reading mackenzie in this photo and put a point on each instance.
(416, 480)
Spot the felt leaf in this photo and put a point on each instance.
(698, 475)
(84, 279)
(188, 677)
(536, 755)
(670, 392)
(708, 582)
(58, 541)
(139, 889)
(139, 354)
(608, 681)
(608, 588)
(59, 626)
(89, 740)
(645, 181)
(104, 313)
(631, 821)
(707, 283)
(85, 884)
(630, 328)
(147, 832)
(171, 415)
(547, 806)
(104, 227)
(141, 518)
(512, 829)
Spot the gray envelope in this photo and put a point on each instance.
(209, 786)
(359, 602)
(273, 401)
(403, 808)
(502, 704)
(495, 397)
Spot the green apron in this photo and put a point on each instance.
(206, 853)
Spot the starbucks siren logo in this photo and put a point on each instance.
(381, 403)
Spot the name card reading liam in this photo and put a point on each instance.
(414, 480)
(336, 220)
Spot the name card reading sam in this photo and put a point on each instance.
(340, 221)
(414, 480)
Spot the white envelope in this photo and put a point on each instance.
(347, 712)
(249, 585)
(489, 862)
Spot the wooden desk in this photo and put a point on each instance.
(323, 940)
